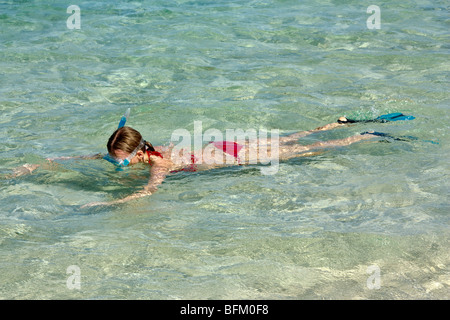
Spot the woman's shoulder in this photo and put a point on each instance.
(161, 156)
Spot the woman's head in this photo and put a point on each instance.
(127, 143)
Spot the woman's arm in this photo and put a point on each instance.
(158, 172)
(92, 157)
(301, 134)
(29, 168)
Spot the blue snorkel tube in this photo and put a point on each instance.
(124, 118)
(114, 161)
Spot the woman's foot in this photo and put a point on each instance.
(344, 120)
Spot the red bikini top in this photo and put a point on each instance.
(153, 153)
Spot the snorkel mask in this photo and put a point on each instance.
(127, 160)
(124, 162)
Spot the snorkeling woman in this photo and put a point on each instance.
(126, 147)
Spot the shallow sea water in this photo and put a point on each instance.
(315, 230)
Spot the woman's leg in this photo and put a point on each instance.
(295, 150)
(297, 135)
(341, 142)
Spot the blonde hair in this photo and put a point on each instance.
(126, 139)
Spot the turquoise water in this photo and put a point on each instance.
(311, 231)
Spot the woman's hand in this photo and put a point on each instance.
(25, 169)
(29, 168)
(110, 203)
(99, 203)
(94, 204)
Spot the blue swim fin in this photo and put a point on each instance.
(394, 117)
